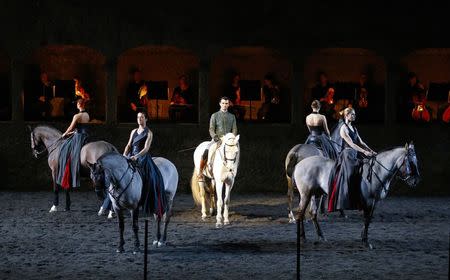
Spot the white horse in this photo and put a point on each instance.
(224, 171)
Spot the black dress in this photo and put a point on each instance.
(319, 138)
(69, 158)
(153, 198)
(345, 186)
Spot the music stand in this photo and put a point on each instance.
(157, 90)
(66, 89)
(438, 92)
(250, 91)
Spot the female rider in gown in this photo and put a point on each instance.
(153, 198)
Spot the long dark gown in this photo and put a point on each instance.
(345, 186)
(153, 199)
(69, 158)
(319, 138)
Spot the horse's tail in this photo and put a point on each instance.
(195, 188)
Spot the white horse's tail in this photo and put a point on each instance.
(195, 188)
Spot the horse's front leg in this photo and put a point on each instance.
(368, 211)
(135, 217)
(54, 207)
(226, 221)
(219, 186)
(121, 229)
(202, 185)
(68, 199)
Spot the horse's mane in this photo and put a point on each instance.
(49, 129)
(110, 159)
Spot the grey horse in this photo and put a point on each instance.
(47, 140)
(311, 177)
(120, 179)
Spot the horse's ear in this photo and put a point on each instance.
(406, 146)
(29, 128)
(237, 138)
(411, 143)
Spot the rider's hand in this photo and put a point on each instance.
(216, 138)
(367, 153)
(133, 158)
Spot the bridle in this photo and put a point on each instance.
(50, 148)
(405, 175)
(114, 183)
(224, 158)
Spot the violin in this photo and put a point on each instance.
(420, 112)
(362, 102)
(329, 97)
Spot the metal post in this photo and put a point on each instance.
(145, 249)
(298, 249)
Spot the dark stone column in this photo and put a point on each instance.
(203, 92)
(111, 91)
(297, 94)
(393, 70)
(17, 85)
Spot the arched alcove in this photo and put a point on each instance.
(63, 64)
(344, 68)
(252, 64)
(160, 67)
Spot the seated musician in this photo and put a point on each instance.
(233, 92)
(416, 95)
(133, 100)
(345, 186)
(362, 97)
(182, 100)
(37, 100)
(324, 92)
(270, 109)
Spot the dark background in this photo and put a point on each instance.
(295, 28)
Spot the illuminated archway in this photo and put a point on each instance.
(252, 63)
(64, 63)
(161, 66)
(344, 68)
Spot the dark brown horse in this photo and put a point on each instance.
(46, 139)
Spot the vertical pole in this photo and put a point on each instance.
(298, 249)
(145, 249)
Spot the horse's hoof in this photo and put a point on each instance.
(292, 220)
(219, 225)
(111, 215)
(155, 242)
(120, 250)
(101, 212)
(204, 217)
(53, 209)
(136, 251)
(161, 243)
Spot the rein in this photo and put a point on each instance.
(224, 157)
(393, 171)
(115, 183)
(50, 148)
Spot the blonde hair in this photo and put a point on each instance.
(346, 111)
(315, 105)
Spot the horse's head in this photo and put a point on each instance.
(97, 174)
(409, 171)
(37, 145)
(230, 150)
